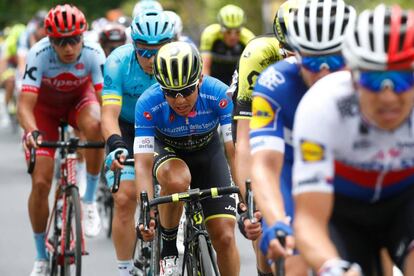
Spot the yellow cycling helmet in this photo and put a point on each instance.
(281, 21)
(177, 65)
(231, 17)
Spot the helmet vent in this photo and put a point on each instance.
(174, 71)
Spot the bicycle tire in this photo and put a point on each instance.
(206, 259)
(155, 254)
(73, 238)
(54, 257)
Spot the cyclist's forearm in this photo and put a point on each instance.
(311, 231)
(143, 174)
(242, 156)
(266, 187)
(25, 112)
(110, 123)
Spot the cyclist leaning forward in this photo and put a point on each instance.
(353, 140)
(62, 75)
(128, 73)
(178, 120)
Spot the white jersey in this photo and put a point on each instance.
(44, 68)
(336, 150)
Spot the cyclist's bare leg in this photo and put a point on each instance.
(221, 231)
(260, 258)
(296, 266)
(123, 224)
(409, 263)
(174, 177)
(90, 125)
(9, 90)
(38, 199)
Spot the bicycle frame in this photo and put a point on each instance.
(194, 227)
(67, 181)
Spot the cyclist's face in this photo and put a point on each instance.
(386, 109)
(231, 37)
(147, 63)
(68, 49)
(183, 105)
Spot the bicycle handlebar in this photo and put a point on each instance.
(72, 144)
(250, 201)
(190, 195)
(117, 172)
(280, 262)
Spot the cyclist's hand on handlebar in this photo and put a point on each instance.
(148, 235)
(250, 229)
(112, 159)
(271, 246)
(32, 139)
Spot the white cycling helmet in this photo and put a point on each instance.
(178, 23)
(144, 5)
(381, 39)
(318, 27)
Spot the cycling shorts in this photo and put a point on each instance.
(49, 114)
(208, 168)
(360, 229)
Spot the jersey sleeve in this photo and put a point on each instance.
(313, 130)
(269, 101)
(224, 108)
(112, 89)
(145, 120)
(32, 77)
(97, 69)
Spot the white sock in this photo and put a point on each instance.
(125, 267)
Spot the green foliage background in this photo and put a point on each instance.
(196, 14)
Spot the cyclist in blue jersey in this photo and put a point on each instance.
(353, 175)
(276, 95)
(127, 74)
(176, 141)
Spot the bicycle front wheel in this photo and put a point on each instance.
(206, 259)
(72, 264)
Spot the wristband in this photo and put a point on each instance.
(115, 141)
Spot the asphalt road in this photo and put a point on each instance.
(17, 250)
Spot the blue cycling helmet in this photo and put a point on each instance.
(152, 27)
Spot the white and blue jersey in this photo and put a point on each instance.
(338, 151)
(276, 96)
(154, 118)
(124, 81)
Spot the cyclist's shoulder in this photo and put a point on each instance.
(120, 57)
(211, 31)
(213, 86)
(41, 48)
(92, 48)
(332, 90)
(246, 35)
(152, 96)
(260, 52)
(280, 78)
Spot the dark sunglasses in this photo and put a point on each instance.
(63, 41)
(146, 53)
(183, 92)
(316, 64)
(376, 81)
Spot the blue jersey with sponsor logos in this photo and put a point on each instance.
(124, 81)
(276, 96)
(155, 118)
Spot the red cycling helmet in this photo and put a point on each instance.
(65, 20)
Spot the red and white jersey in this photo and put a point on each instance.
(43, 68)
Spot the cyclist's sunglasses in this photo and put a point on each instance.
(183, 92)
(63, 41)
(376, 81)
(315, 64)
(146, 53)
